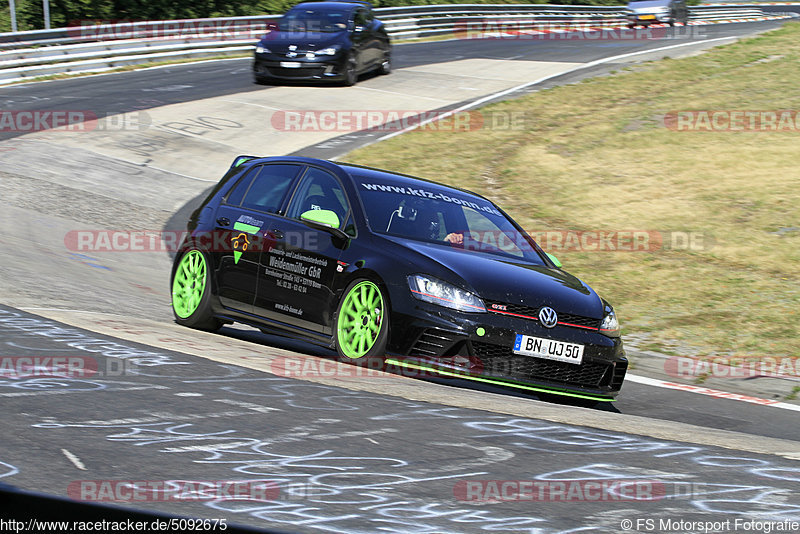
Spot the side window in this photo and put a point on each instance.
(361, 18)
(269, 187)
(319, 190)
(350, 226)
(236, 195)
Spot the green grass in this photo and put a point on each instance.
(597, 156)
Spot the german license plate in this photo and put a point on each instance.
(551, 349)
(290, 64)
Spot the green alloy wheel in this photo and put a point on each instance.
(189, 295)
(362, 323)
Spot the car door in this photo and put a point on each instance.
(297, 271)
(360, 37)
(376, 45)
(242, 219)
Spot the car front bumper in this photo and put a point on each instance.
(480, 346)
(270, 67)
(649, 18)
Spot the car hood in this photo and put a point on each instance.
(279, 42)
(496, 278)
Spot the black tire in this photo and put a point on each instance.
(263, 80)
(196, 314)
(365, 323)
(350, 71)
(386, 65)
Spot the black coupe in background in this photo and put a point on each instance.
(392, 269)
(323, 41)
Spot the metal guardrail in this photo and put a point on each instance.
(92, 48)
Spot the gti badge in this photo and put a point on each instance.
(548, 317)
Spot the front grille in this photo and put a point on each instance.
(567, 319)
(301, 72)
(498, 360)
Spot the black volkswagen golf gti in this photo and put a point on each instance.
(332, 40)
(392, 270)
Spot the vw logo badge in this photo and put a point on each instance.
(548, 317)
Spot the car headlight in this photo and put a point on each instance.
(330, 51)
(438, 292)
(610, 325)
(262, 50)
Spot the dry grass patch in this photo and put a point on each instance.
(597, 156)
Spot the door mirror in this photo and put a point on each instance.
(554, 259)
(326, 220)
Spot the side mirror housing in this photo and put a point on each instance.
(325, 220)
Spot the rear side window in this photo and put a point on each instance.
(264, 188)
(235, 197)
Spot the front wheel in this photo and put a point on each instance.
(350, 71)
(386, 65)
(362, 325)
(191, 293)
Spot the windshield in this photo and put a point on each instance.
(444, 216)
(313, 20)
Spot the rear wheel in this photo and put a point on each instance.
(191, 294)
(362, 325)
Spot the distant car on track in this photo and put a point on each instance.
(647, 12)
(328, 40)
(392, 269)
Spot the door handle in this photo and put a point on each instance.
(224, 221)
(275, 233)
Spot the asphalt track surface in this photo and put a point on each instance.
(344, 460)
(357, 455)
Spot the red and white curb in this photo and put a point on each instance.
(716, 393)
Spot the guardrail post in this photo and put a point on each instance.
(13, 12)
(46, 7)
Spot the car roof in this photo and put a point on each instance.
(326, 5)
(364, 172)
